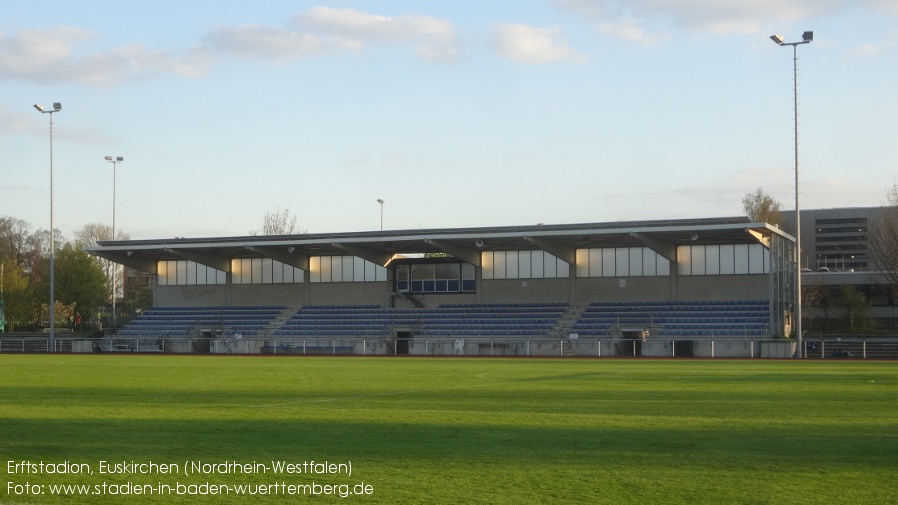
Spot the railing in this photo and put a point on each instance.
(656, 346)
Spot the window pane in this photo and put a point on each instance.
(486, 261)
(550, 264)
(446, 271)
(563, 269)
(511, 265)
(650, 261)
(499, 265)
(190, 280)
(537, 264)
(608, 266)
(380, 273)
(684, 260)
(595, 262)
(663, 266)
(622, 257)
(358, 269)
(162, 273)
(277, 272)
(636, 261)
(182, 272)
(337, 268)
(267, 268)
(315, 269)
(755, 259)
(727, 259)
(712, 259)
(582, 262)
(325, 269)
(524, 264)
(348, 265)
(741, 258)
(698, 260)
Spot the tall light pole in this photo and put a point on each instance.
(806, 38)
(381, 202)
(56, 108)
(114, 161)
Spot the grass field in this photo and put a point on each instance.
(434, 430)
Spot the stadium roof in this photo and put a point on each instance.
(381, 247)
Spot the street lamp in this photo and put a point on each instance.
(114, 161)
(381, 202)
(806, 38)
(56, 108)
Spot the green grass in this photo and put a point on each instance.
(491, 431)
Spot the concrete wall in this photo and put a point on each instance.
(190, 296)
(291, 295)
(525, 291)
(723, 287)
(348, 293)
(570, 290)
(631, 289)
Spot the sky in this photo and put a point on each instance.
(456, 113)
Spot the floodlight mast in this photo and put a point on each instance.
(114, 161)
(806, 38)
(381, 202)
(56, 108)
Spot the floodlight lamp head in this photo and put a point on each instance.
(57, 106)
(807, 36)
(108, 158)
(119, 158)
(380, 201)
(778, 39)
(39, 107)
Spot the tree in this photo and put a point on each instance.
(14, 234)
(882, 238)
(80, 283)
(856, 310)
(92, 233)
(278, 223)
(17, 295)
(762, 208)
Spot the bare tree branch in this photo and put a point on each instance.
(762, 208)
(278, 223)
(882, 238)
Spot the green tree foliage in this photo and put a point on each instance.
(855, 311)
(142, 300)
(762, 208)
(91, 234)
(80, 282)
(21, 306)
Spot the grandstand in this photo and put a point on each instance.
(664, 280)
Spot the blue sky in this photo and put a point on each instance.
(455, 113)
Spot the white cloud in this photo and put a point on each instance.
(262, 42)
(866, 50)
(531, 45)
(50, 56)
(889, 7)
(323, 29)
(630, 30)
(431, 38)
(53, 55)
(707, 16)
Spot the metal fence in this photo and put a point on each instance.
(657, 347)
